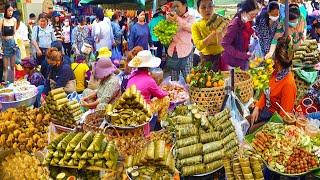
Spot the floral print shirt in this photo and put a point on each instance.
(265, 32)
(80, 36)
(36, 79)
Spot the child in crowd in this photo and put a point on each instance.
(80, 68)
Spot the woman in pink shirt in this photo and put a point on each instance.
(181, 48)
(146, 84)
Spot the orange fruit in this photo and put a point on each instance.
(215, 84)
(220, 82)
(188, 79)
(208, 84)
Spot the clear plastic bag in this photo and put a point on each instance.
(177, 96)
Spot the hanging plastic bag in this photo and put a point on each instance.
(116, 56)
(257, 55)
(238, 113)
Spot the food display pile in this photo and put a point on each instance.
(24, 129)
(202, 141)
(155, 161)
(129, 110)
(285, 148)
(80, 150)
(64, 112)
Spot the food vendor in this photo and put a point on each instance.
(296, 29)
(34, 77)
(146, 84)
(236, 41)
(109, 87)
(206, 40)
(282, 86)
(59, 72)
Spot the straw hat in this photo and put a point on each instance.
(104, 53)
(145, 59)
(103, 68)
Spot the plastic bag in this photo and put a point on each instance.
(176, 97)
(238, 119)
(116, 56)
(257, 55)
(74, 96)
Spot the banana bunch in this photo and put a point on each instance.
(217, 23)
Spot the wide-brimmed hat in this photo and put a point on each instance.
(103, 68)
(145, 59)
(104, 53)
(28, 63)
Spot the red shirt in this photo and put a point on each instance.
(246, 33)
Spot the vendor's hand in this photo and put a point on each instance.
(39, 53)
(254, 115)
(268, 56)
(84, 103)
(172, 17)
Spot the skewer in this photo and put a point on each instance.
(284, 111)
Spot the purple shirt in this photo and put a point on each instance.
(36, 79)
(234, 53)
(146, 85)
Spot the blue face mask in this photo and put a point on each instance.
(293, 24)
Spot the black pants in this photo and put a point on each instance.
(42, 60)
(159, 48)
(67, 49)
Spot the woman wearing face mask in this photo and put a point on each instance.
(79, 35)
(296, 29)
(205, 39)
(66, 29)
(236, 41)
(266, 25)
(180, 50)
(8, 30)
(140, 33)
(42, 37)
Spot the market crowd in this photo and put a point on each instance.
(99, 58)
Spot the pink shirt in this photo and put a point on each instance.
(146, 85)
(182, 40)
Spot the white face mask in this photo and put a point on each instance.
(66, 23)
(273, 18)
(244, 18)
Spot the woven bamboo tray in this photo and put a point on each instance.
(212, 98)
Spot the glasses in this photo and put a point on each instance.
(208, 6)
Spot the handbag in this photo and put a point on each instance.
(116, 56)
(86, 48)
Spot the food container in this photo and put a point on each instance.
(25, 92)
(291, 120)
(311, 130)
(301, 122)
(6, 95)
